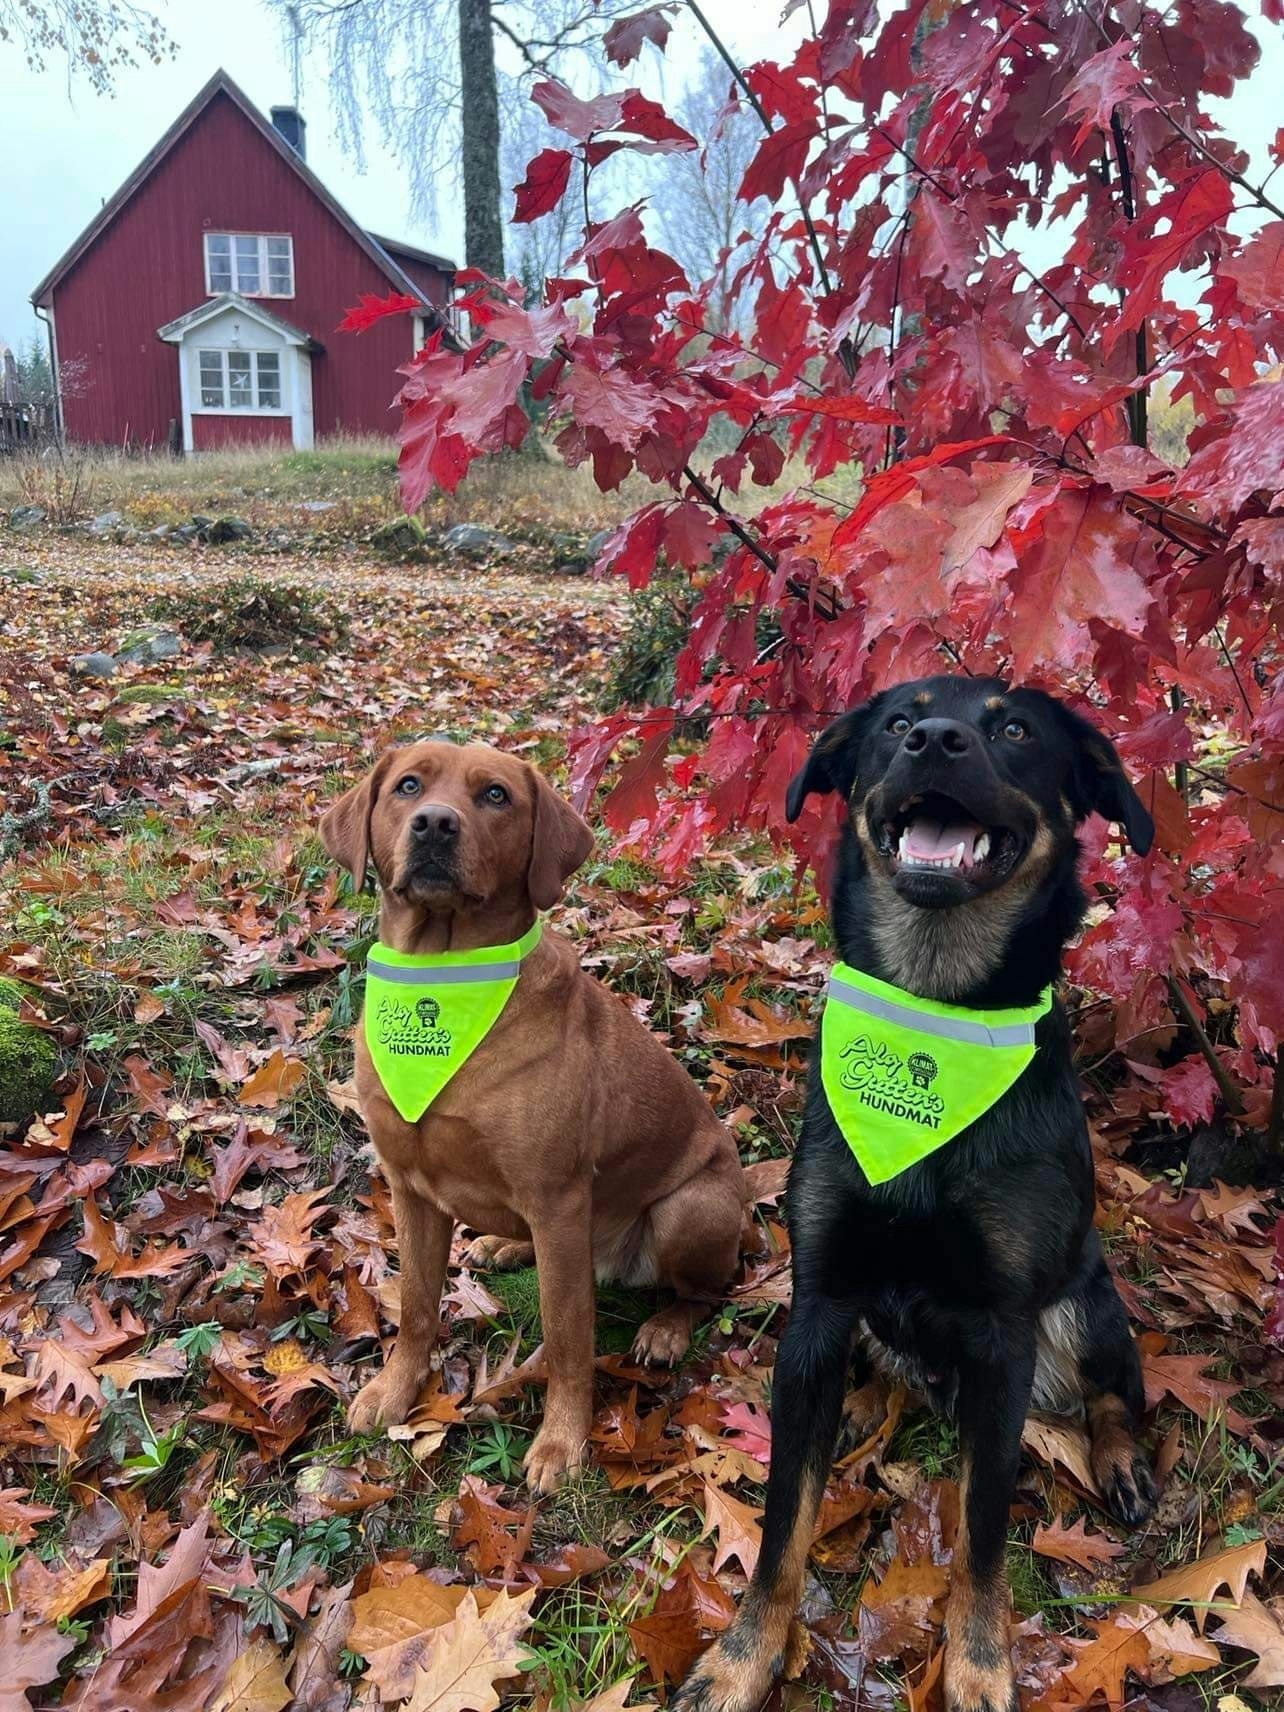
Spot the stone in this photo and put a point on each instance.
(473, 538)
(26, 516)
(225, 529)
(145, 647)
(95, 665)
(317, 504)
(106, 523)
(595, 543)
(162, 532)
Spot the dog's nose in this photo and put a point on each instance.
(945, 739)
(435, 820)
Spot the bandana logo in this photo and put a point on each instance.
(411, 1032)
(883, 1080)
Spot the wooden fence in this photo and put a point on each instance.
(15, 427)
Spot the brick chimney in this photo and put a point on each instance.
(291, 125)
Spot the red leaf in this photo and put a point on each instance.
(779, 161)
(579, 119)
(626, 37)
(1106, 81)
(610, 400)
(544, 185)
(1190, 208)
(372, 309)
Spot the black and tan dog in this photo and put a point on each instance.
(975, 1274)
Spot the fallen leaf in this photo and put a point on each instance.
(467, 1655)
(1075, 1544)
(28, 1660)
(1257, 1628)
(1197, 1583)
(256, 1681)
(737, 1526)
(273, 1081)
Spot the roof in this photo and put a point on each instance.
(222, 84)
(175, 330)
(416, 255)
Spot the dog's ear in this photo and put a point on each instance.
(1101, 785)
(831, 766)
(561, 842)
(345, 825)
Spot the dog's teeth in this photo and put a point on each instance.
(955, 857)
(902, 849)
(981, 849)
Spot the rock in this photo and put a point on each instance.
(162, 532)
(595, 543)
(472, 538)
(399, 535)
(317, 504)
(227, 529)
(106, 523)
(184, 532)
(26, 516)
(200, 523)
(19, 574)
(145, 647)
(96, 665)
(28, 1063)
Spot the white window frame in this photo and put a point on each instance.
(262, 242)
(254, 355)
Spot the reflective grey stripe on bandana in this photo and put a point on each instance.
(443, 974)
(924, 1022)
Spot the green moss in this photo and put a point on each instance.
(12, 993)
(28, 1069)
(151, 693)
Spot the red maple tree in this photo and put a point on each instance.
(1013, 517)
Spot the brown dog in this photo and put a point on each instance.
(569, 1128)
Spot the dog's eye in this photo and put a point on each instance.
(408, 787)
(495, 794)
(899, 726)
(1016, 731)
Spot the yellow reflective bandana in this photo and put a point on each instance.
(904, 1075)
(426, 1015)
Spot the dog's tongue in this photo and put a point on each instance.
(928, 839)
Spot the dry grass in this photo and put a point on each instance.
(357, 475)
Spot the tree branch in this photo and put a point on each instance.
(1187, 1013)
(761, 553)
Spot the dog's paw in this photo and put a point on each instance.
(972, 1687)
(1128, 1487)
(498, 1254)
(733, 1676)
(665, 1338)
(553, 1456)
(864, 1412)
(388, 1398)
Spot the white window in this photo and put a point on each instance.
(240, 380)
(251, 263)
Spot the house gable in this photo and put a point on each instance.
(144, 264)
(222, 84)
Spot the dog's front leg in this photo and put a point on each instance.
(423, 1241)
(807, 1390)
(564, 1257)
(993, 1397)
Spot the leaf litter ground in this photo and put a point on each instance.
(197, 1267)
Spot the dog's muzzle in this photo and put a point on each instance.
(942, 819)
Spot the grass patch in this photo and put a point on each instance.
(620, 1309)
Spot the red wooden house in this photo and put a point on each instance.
(202, 301)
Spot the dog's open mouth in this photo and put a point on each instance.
(935, 834)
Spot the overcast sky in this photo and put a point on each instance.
(64, 154)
